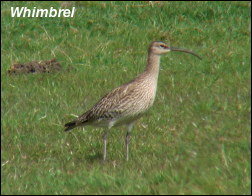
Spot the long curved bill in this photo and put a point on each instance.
(184, 50)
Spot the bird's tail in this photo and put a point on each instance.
(71, 125)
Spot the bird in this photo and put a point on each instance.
(128, 102)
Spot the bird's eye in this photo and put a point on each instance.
(163, 46)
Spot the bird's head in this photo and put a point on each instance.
(160, 48)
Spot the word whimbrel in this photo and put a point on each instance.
(126, 103)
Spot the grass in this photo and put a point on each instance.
(194, 140)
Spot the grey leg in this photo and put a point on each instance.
(127, 140)
(105, 136)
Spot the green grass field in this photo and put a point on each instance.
(194, 140)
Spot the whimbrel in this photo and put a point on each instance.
(128, 102)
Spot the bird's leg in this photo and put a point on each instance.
(127, 140)
(105, 136)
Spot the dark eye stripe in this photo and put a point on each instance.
(164, 46)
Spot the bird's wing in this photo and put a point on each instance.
(110, 105)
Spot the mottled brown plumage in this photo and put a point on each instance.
(127, 103)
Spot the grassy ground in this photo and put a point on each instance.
(194, 140)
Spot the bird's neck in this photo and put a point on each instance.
(152, 67)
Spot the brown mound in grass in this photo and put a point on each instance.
(35, 67)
